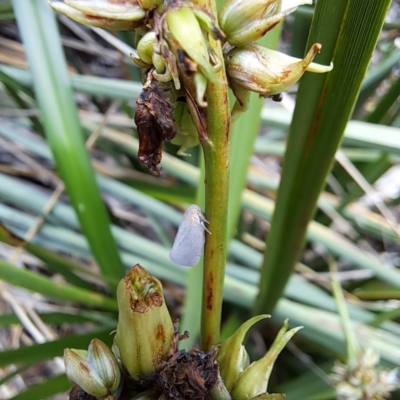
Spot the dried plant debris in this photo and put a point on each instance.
(155, 124)
(186, 374)
(76, 393)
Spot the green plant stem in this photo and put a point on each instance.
(216, 157)
(351, 340)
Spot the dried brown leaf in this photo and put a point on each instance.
(155, 124)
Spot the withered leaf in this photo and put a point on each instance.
(187, 374)
(184, 374)
(155, 123)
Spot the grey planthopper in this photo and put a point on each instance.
(189, 241)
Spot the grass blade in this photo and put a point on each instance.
(348, 31)
(48, 350)
(54, 96)
(37, 283)
(45, 389)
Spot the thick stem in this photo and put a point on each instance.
(216, 156)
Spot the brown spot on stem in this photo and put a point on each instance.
(210, 282)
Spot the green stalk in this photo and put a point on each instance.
(348, 31)
(351, 339)
(216, 157)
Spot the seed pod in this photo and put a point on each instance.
(189, 242)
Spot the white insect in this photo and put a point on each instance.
(189, 242)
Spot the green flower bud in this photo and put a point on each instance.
(254, 380)
(146, 52)
(268, 72)
(145, 47)
(245, 21)
(147, 57)
(97, 15)
(145, 329)
(183, 24)
(95, 371)
(232, 356)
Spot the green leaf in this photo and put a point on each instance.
(31, 281)
(48, 350)
(57, 318)
(357, 133)
(49, 387)
(54, 96)
(55, 262)
(376, 76)
(385, 104)
(114, 88)
(348, 31)
(13, 87)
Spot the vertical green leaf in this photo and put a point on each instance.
(54, 96)
(348, 32)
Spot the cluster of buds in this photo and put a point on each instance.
(96, 371)
(176, 58)
(242, 379)
(145, 361)
(254, 68)
(361, 378)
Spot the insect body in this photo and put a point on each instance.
(189, 242)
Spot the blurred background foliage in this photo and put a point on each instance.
(62, 255)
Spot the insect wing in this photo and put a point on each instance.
(189, 242)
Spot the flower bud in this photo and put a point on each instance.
(95, 371)
(126, 10)
(362, 377)
(244, 22)
(145, 329)
(268, 72)
(102, 14)
(254, 380)
(145, 47)
(183, 24)
(232, 356)
(146, 52)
